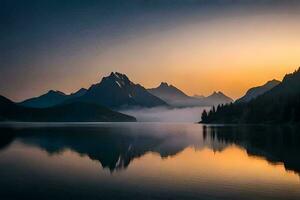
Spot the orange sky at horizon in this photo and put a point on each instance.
(229, 54)
(200, 61)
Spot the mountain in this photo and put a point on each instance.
(175, 97)
(168, 92)
(217, 98)
(72, 112)
(79, 93)
(256, 91)
(51, 98)
(172, 95)
(281, 104)
(116, 90)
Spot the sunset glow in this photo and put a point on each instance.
(199, 48)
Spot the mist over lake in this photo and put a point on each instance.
(164, 114)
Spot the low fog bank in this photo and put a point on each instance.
(163, 114)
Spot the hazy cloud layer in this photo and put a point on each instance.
(162, 114)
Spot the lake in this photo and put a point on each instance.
(148, 161)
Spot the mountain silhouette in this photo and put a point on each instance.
(254, 92)
(51, 98)
(116, 90)
(168, 92)
(281, 104)
(172, 95)
(217, 98)
(114, 147)
(175, 97)
(72, 112)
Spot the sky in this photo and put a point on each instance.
(199, 46)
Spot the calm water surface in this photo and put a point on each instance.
(148, 161)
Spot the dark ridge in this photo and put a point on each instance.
(281, 104)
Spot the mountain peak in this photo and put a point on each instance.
(116, 78)
(116, 90)
(272, 82)
(219, 97)
(294, 75)
(217, 93)
(169, 93)
(78, 93)
(55, 92)
(51, 98)
(118, 75)
(164, 84)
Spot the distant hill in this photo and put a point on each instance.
(73, 112)
(51, 98)
(172, 95)
(217, 98)
(256, 91)
(116, 90)
(281, 104)
(168, 92)
(175, 97)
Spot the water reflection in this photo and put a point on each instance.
(115, 146)
(6, 137)
(148, 161)
(276, 144)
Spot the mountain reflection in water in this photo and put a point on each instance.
(115, 146)
(148, 161)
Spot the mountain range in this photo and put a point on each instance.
(272, 102)
(71, 112)
(114, 91)
(117, 91)
(280, 104)
(175, 97)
